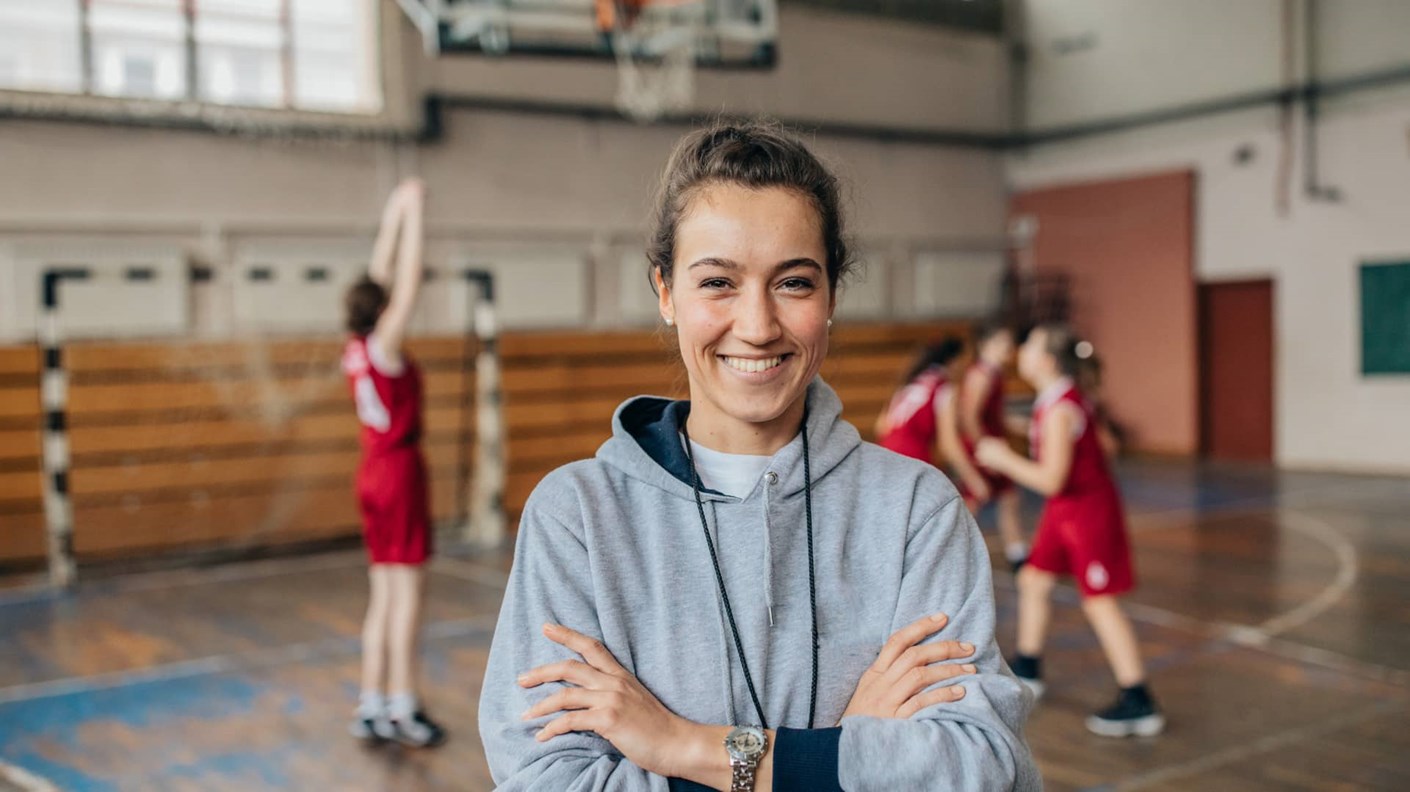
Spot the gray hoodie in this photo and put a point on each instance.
(613, 547)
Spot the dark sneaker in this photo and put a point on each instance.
(368, 729)
(1134, 714)
(1029, 672)
(418, 731)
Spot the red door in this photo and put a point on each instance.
(1236, 370)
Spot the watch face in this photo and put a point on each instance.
(745, 743)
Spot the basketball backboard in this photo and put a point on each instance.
(727, 33)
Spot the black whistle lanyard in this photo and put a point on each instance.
(720, 578)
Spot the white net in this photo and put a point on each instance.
(656, 58)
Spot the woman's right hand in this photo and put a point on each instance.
(895, 685)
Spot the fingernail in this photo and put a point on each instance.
(524, 717)
(969, 667)
(968, 647)
(523, 679)
(550, 627)
(959, 691)
(938, 618)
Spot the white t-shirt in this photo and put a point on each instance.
(728, 474)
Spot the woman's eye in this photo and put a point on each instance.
(797, 284)
(714, 283)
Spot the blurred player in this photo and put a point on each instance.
(392, 484)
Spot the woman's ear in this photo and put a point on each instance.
(663, 297)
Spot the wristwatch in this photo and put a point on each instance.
(746, 746)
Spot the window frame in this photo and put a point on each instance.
(373, 104)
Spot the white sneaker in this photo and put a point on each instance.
(367, 729)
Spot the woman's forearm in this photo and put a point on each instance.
(1030, 474)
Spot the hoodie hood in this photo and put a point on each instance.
(646, 444)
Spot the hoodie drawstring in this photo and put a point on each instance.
(724, 638)
(769, 479)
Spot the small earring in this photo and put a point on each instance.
(670, 322)
(829, 323)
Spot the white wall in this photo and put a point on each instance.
(1327, 414)
(1093, 59)
(553, 204)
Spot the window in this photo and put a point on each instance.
(138, 48)
(296, 54)
(40, 45)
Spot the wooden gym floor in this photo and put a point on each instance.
(1274, 610)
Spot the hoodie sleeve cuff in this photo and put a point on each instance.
(806, 759)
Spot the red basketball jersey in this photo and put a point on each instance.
(1089, 475)
(388, 403)
(911, 415)
(1083, 527)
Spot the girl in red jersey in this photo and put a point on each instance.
(392, 487)
(921, 419)
(981, 414)
(1082, 531)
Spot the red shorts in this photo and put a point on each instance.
(394, 497)
(998, 483)
(1085, 537)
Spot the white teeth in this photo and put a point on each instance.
(752, 366)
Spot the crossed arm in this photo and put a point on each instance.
(927, 714)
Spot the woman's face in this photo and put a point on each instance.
(1035, 364)
(750, 300)
(998, 348)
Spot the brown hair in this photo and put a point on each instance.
(939, 353)
(755, 154)
(364, 303)
(1060, 342)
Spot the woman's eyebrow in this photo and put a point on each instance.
(715, 262)
(712, 261)
(798, 262)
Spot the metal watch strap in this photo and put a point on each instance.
(742, 777)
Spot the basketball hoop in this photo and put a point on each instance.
(655, 43)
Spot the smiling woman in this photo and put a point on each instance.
(737, 592)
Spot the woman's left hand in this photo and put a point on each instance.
(607, 700)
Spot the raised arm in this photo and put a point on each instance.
(380, 268)
(406, 284)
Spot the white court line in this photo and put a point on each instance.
(221, 664)
(1347, 573)
(1264, 635)
(1260, 746)
(1318, 530)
